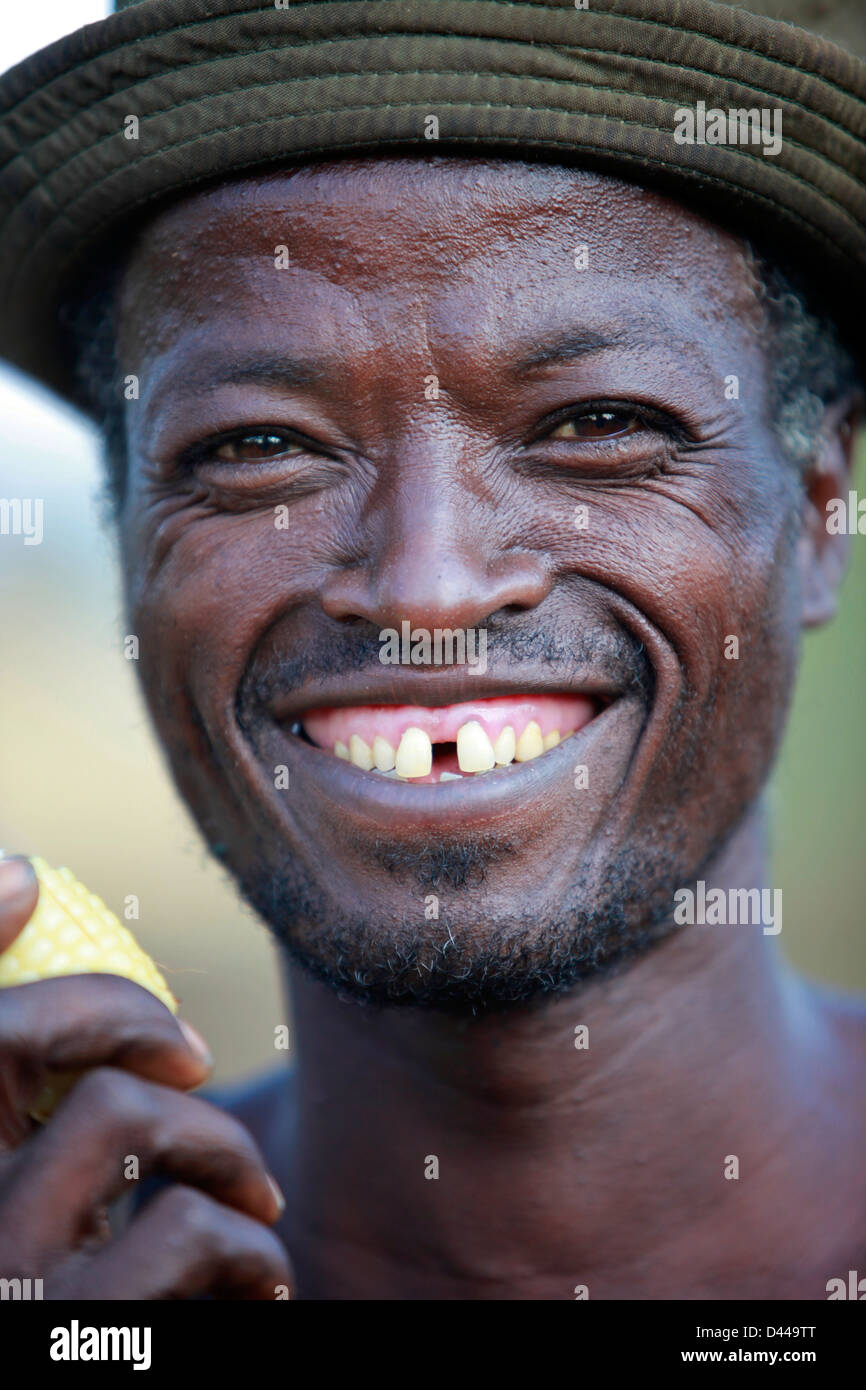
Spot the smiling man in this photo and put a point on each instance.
(462, 391)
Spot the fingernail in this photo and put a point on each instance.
(16, 876)
(278, 1196)
(196, 1042)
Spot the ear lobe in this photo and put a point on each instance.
(823, 549)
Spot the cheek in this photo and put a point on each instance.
(700, 550)
(709, 572)
(201, 593)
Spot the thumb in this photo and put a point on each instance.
(19, 891)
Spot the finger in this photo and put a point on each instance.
(71, 1022)
(184, 1243)
(114, 1127)
(19, 891)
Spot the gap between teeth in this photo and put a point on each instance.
(475, 752)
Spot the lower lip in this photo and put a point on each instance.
(392, 805)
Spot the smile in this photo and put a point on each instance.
(444, 743)
(362, 760)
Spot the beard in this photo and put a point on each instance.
(455, 956)
(457, 952)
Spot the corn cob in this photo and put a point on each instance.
(72, 932)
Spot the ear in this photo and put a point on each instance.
(826, 523)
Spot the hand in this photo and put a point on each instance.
(206, 1234)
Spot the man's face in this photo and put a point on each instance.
(432, 415)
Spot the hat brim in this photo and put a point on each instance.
(221, 87)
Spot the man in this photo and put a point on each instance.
(355, 402)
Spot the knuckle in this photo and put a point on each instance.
(235, 1139)
(221, 1237)
(190, 1214)
(109, 1095)
(78, 1011)
(124, 1006)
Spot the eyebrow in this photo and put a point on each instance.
(281, 372)
(267, 371)
(566, 347)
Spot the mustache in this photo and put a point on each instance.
(615, 656)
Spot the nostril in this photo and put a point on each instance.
(510, 610)
(426, 584)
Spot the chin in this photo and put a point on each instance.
(449, 929)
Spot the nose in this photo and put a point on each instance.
(436, 558)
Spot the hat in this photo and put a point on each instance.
(686, 96)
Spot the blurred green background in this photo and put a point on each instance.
(83, 781)
(818, 798)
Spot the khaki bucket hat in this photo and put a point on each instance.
(754, 113)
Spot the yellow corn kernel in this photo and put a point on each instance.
(72, 932)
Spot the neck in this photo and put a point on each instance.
(558, 1166)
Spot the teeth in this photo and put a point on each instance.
(474, 749)
(451, 777)
(384, 756)
(530, 744)
(503, 748)
(475, 752)
(415, 754)
(359, 753)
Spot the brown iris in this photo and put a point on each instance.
(250, 448)
(596, 424)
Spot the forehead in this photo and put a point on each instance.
(474, 241)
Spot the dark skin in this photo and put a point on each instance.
(559, 1167)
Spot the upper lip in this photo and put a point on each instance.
(431, 687)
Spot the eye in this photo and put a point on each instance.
(598, 424)
(253, 447)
